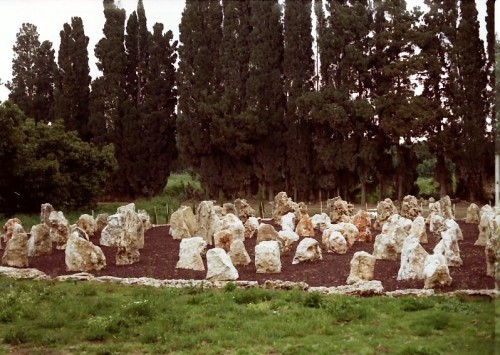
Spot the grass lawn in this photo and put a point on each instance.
(83, 317)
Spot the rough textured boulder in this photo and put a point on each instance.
(223, 239)
(112, 234)
(267, 257)
(127, 255)
(434, 210)
(45, 211)
(286, 238)
(145, 219)
(183, 223)
(385, 209)
(362, 267)
(418, 229)
(207, 220)
(448, 247)
(436, 272)
(363, 223)
(485, 228)
(39, 242)
(436, 224)
(288, 221)
(16, 250)
(307, 250)
(266, 232)
(284, 204)
(133, 235)
(101, 221)
(8, 228)
(339, 210)
(220, 266)
(190, 252)
(348, 231)
(413, 256)
(304, 227)
(485, 209)
(238, 253)
(245, 211)
(229, 208)
(410, 208)
(333, 241)
(59, 229)
(87, 223)
(492, 251)
(453, 226)
(321, 221)
(251, 226)
(397, 227)
(472, 215)
(385, 247)
(446, 207)
(232, 223)
(83, 255)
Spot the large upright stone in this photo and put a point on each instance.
(127, 255)
(339, 210)
(410, 208)
(453, 226)
(133, 235)
(286, 238)
(385, 209)
(397, 227)
(59, 229)
(251, 226)
(82, 255)
(45, 211)
(8, 229)
(39, 242)
(492, 251)
(207, 220)
(436, 224)
(229, 208)
(413, 256)
(238, 253)
(234, 225)
(485, 228)
(385, 247)
(190, 252)
(145, 219)
(434, 210)
(87, 223)
(288, 221)
(16, 250)
(220, 266)
(266, 232)
(101, 221)
(223, 239)
(446, 207)
(321, 221)
(362, 267)
(307, 250)
(245, 211)
(333, 241)
(363, 223)
(267, 257)
(284, 204)
(183, 223)
(448, 247)
(436, 272)
(112, 234)
(472, 215)
(348, 231)
(418, 229)
(304, 227)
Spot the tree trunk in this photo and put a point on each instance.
(363, 192)
(441, 175)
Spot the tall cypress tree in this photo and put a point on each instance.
(73, 92)
(45, 72)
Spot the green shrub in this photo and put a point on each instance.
(313, 300)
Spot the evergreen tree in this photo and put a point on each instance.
(45, 72)
(72, 94)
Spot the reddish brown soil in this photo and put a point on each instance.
(161, 252)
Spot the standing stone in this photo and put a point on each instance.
(238, 253)
(453, 226)
(304, 227)
(448, 247)
(267, 257)
(220, 266)
(112, 234)
(492, 251)
(436, 272)
(127, 255)
(286, 238)
(45, 211)
(410, 208)
(437, 225)
(333, 241)
(485, 229)
(190, 252)
(8, 228)
(59, 229)
(87, 223)
(284, 204)
(245, 211)
(288, 221)
(183, 223)
(418, 229)
(485, 209)
(362, 267)
(385, 247)
(266, 232)
(307, 250)
(348, 231)
(446, 208)
(413, 256)
(472, 214)
(363, 223)
(397, 227)
(434, 210)
(82, 255)
(39, 242)
(385, 209)
(321, 222)
(16, 250)
(133, 235)
(101, 221)
(207, 220)
(339, 210)
(223, 239)
(145, 219)
(251, 226)
(234, 225)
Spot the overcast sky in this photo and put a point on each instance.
(50, 15)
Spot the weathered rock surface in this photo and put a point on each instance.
(385, 247)
(238, 253)
(362, 267)
(472, 215)
(307, 250)
(45, 210)
(127, 255)
(410, 208)
(16, 250)
(266, 232)
(190, 252)
(485, 228)
(223, 239)
(348, 231)
(436, 224)
(363, 223)
(229, 208)
(267, 257)
(385, 209)
(251, 226)
(288, 221)
(26, 273)
(413, 256)
(183, 223)
(220, 266)
(234, 225)
(448, 247)
(101, 221)
(145, 219)
(453, 227)
(321, 221)
(83, 255)
(8, 228)
(418, 229)
(87, 223)
(339, 209)
(39, 242)
(286, 238)
(397, 227)
(446, 207)
(492, 251)
(207, 220)
(436, 272)
(333, 241)
(360, 288)
(434, 210)
(304, 227)
(59, 229)
(112, 234)
(284, 204)
(245, 211)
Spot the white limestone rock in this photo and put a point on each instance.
(87, 223)
(245, 211)
(446, 208)
(321, 221)
(220, 266)
(492, 251)
(385, 209)
(436, 272)
(223, 239)
(207, 220)
(286, 238)
(267, 257)
(266, 232)
(307, 250)
(232, 223)
(304, 227)
(418, 229)
(284, 204)
(453, 226)
(16, 250)
(485, 228)
(133, 229)
(39, 242)
(127, 255)
(145, 219)
(448, 247)
(112, 234)
(333, 241)
(362, 267)
(413, 256)
(251, 226)
(59, 229)
(288, 221)
(348, 230)
(485, 209)
(385, 247)
(410, 208)
(434, 210)
(183, 223)
(472, 215)
(190, 252)
(340, 211)
(45, 210)
(437, 225)
(8, 228)
(83, 255)
(397, 227)
(238, 253)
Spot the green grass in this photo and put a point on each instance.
(48, 317)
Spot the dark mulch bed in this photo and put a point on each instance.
(161, 252)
